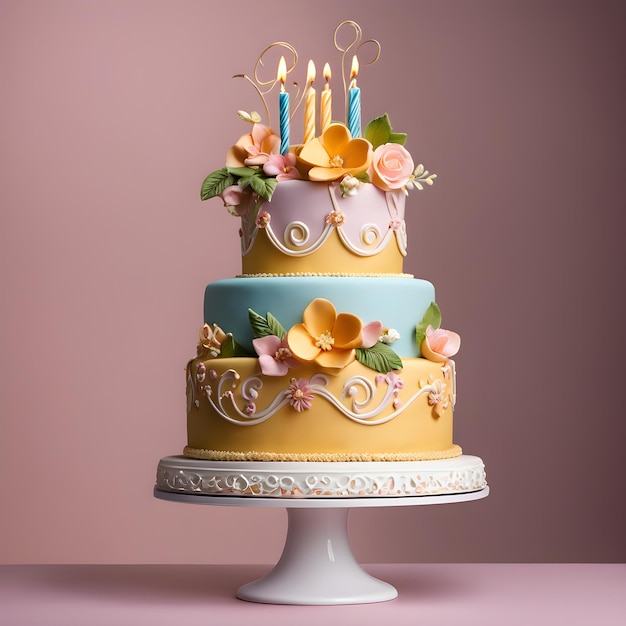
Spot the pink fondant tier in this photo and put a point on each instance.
(310, 227)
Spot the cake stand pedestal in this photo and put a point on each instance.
(317, 566)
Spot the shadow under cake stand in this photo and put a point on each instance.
(317, 565)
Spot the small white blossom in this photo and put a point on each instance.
(349, 185)
(389, 335)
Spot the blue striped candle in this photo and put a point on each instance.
(354, 111)
(354, 101)
(283, 101)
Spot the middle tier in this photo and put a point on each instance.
(398, 303)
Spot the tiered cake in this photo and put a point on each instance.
(322, 349)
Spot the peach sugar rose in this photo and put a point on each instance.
(392, 167)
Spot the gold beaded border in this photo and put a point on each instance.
(339, 457)
(330, 274)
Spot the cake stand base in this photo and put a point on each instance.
(317, 566)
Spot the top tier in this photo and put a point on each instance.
(312, 228)
(332, 204)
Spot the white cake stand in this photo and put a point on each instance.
(317, 566)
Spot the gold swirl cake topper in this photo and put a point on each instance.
(264, 86)
(356, 44)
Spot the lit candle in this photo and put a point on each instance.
(354, 101)
(309, 105)
(327, 99)
(283, 101)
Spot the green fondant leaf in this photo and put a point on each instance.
(432, 317)
(378, 130)
(275, 326)
(215, 183)
(364, 177)
(379, 357)
(241, 171)
(229, 347)
(397, 138)
(264, 326)
(262, 185)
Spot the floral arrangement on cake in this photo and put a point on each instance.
(329, 339)
(341, 152)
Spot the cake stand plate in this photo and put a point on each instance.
(317, 566)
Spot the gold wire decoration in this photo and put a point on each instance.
(357, 44)
(263, 87)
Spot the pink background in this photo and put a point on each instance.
(112, 113)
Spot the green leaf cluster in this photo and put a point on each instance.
(380, 357)
(264, 326)
(379, 132)
(253, 177)
(432, 317)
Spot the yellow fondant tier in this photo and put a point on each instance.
(237, 413)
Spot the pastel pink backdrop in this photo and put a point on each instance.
(112, 113)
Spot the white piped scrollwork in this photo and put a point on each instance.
(362, 400)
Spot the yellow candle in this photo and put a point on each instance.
(309, 104)
(327, 100)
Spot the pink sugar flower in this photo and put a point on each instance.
(263, 219)
(391, 167)
(299, 394)
(439, 345)
(232, 195)
(254, 148)
(283, 166)
(370, 334)
(275, 358)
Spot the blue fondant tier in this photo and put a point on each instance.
(398, 303)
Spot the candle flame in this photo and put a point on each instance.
(310, 73)
(282, 71)
(355, 67)
(327, 74)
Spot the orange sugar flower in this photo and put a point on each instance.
(324, 336)
(335, 154)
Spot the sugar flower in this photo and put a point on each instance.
(439, 345)
(283, 166)
(335, 218)
(324, 336)
(438, 398)
(232, 195)
(254, 148)
(370, 334)
(335, 154)
(349, 185)
(210, 341)
(275, 358)
(391, 167)
(389, 335)
(300, 394)
(263, 219)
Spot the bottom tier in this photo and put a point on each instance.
(235, 413)
(180, 475)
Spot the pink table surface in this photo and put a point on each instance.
(446, 594)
